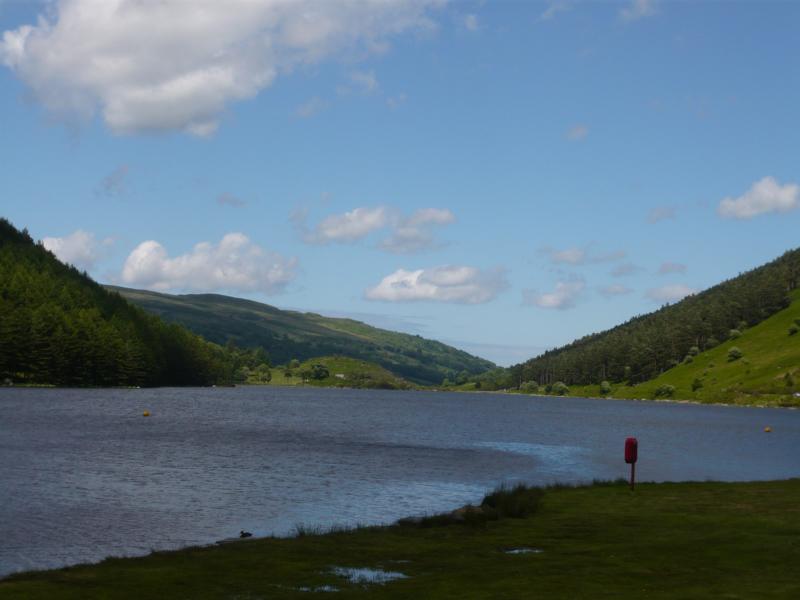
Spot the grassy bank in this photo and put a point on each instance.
(687, 540)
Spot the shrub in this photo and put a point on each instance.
(711, 342)
(788, 380)
(529, 387)
(517, 502)
(734, 354)
(688, 359)
(673, 363)
(793, 329)
(665, 391)
(694, 351)
(605, 388)
(742, 325)
(697, 384)
(560, 388)
(734, 333)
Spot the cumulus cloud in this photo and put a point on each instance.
(577, 133)
(228, 199)
(455, 284)
(660, 213)
(173, 65)
(614, 289)
(562, 297)
(405, 234)
(235, 264)
(670, 293)
(415, 233)
(670, 267)
(581, 256)
(345, 228)
(80, 248)
(638, 9)
(764, 196)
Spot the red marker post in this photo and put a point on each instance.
(631, 454)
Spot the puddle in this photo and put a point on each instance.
(367, 576)
(523, 551)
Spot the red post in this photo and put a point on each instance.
(631, 454)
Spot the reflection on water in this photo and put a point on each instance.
(83, 475)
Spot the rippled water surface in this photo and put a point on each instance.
(84, 475)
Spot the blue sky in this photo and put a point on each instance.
(503, 176)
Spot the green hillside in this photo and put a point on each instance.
(767, 373)
(338, 371)
(648, 345)
(288, 335)
(58, 327)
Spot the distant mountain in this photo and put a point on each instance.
(288, 335)
(648, 345)
(58, 327)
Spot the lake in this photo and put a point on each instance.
(83, 475)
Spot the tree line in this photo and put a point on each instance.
(59, 327)
(648, 345)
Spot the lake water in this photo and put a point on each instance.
(83, 475)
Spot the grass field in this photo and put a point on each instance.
(352, 372)
(771, 359)
(684, 540)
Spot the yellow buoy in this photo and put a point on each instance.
(146, 413)
(767, 429)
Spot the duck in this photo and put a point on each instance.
(245, 534)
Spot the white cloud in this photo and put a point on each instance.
(553, 8)
(670, 293)
(581, 256)
(661, 213)
(415, 234)
(228, 199)
(80, 248)
(670, 267)
(310, 108)
(235, 264)
(405, 234)
(764, 196)
(562, 297)
(471, 22)
(456, 284)
(638, 9)
(615, 289)
(166, 65)
(577, 132)
(348, 227)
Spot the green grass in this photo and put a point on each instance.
(758, 378)
(685, 540)
(354, 374)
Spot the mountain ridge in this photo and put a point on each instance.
(289, 334)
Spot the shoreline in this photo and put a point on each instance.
(565, 531)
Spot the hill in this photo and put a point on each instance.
(288, 335)
(649, 345)
(58, 327)
(767, 372)
(338, 371)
